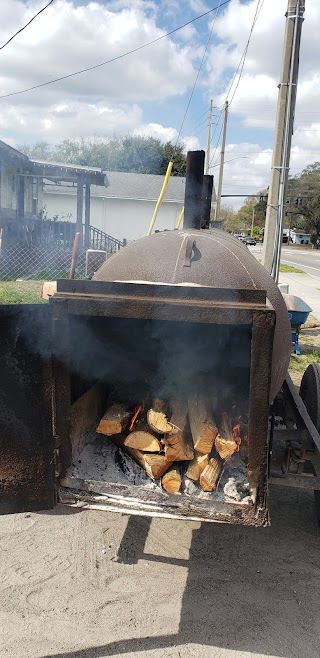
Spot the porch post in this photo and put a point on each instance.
(20, 198)
(87, 217)
(79, 206)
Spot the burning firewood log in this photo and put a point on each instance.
(225, 447)
(225, 442)
(197, 465)
(177, 445)
(115, 420)
(143, 441)
(210, 475)
(157, 417)
(172, 480)
(202, 425)
(140, 437)
(155, 465)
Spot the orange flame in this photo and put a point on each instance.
(236, 431)
(137, 412)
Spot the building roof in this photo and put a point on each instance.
(11, 152)
(68, 172)
(139, 187)
(146, 187)
(55, 171)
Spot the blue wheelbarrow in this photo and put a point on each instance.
(298, 312)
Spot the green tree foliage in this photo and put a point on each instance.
(230, 220)
(256, 231)
(303, 200)
(254, 209)
(132, 153)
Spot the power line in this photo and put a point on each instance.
(199, 69)
(244, 56)
(114, 59)
(239, 69)
(27, 24)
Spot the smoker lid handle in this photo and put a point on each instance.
(191, 243)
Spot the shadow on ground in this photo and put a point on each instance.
(247, 590)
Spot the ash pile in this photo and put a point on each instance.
(193, 446)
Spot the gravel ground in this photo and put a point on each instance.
(91, 584)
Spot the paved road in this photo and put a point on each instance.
(307, 260)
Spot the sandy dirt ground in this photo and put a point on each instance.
(91, 584)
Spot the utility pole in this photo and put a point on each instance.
(209, 140)
(252, 223)
(223, 146)
(283, 135)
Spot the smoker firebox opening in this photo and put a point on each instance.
(170, 401)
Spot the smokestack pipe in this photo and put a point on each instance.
(206, 200)
(193, 191)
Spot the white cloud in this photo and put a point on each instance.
(158, 131)
(253, 109)
(131, 94)
(256, 96)
(67, 38)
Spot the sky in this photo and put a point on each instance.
(148, 92)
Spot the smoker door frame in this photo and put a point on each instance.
(205, 305)
(26, 438)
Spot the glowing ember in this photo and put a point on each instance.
(137, 412)
(236, 431)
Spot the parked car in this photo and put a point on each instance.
(250, 241)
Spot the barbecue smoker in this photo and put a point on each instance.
(174, 352)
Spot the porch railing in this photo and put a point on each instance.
(56, 234)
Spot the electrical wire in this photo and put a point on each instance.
(27, 24)
(114, 59)
(239, 70)
(244, 56)
(198, 72)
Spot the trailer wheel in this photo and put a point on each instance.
(310, 392)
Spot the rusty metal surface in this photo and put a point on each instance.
(300, 411)
(260, 318)
(188, 293)
(260, 380)
(159, 310)
(139, 500)
(26, 440)
(219, 261)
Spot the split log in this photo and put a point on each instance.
(155, 465)
(225, 447)
(141, 438)
(157, 417)
(144, 441)
(115, 420)
(210, 476)
(172, 480)
(202, 425)
(177, 444)
(197, 466)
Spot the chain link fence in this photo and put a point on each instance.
(40, 264)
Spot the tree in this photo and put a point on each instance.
(303, 200)
(132, 153)
(254, 210)
(230, 221)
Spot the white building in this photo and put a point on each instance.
(123, 208)
(298, 237)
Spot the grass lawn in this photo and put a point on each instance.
(21, 292)
(289, 268)
(298, 364)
